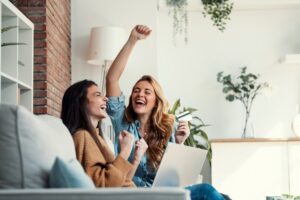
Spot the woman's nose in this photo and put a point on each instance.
(140, 94)
(105, 99)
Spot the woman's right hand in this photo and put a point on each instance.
(140, 32)
(126, 140)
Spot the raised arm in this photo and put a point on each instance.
(114, 73)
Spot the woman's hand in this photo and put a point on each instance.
(116, 69)
(139, 32)
(140, 148)
(182, 132)
(126, 142)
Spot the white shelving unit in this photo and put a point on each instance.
(16, 69)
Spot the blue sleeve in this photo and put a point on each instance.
(115, 110)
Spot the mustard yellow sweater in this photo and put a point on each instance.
(101, 165)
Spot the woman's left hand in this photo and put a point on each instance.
(141, 147)
(182, 132)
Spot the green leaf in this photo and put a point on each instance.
(175, 106)
(243, 70)
(198, 118)
(244, 88)
(230, 97)
(12, 44)
(219, 76)
(204, 135)
(191, 110)
(4, 29)
(227, 89)
(21, 63)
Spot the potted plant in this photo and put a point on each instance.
(243, 88)
(219, 11)
(177, 8)
(198, 137)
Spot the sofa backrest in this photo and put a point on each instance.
(29, 145)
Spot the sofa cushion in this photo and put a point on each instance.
(28, 147)
(69, 174)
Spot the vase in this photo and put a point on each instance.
(248, 131)
(296, 125)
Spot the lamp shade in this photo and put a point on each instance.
(104, 44)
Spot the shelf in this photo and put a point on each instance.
(24, 86)
(196, 5)
(7, 78)
(16, 80)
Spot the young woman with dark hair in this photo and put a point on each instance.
(146, 117)
(83, 108)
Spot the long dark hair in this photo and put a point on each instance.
(74, 109)
(161, 123)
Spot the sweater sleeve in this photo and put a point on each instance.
(96, 164)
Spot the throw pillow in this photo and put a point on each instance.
(69, 175)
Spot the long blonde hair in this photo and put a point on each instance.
(161, 123)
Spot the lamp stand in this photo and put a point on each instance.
(103, 78)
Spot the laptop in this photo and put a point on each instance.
(180, 166)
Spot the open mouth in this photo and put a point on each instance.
(103, 107)
(140, 102)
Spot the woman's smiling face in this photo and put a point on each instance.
(96, 103)
(143, 98)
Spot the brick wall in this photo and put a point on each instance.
(52, 51)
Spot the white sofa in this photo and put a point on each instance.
(29, 145)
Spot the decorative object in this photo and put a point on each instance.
(244, 88)
(219, 11)
(3, 30)
(178, 10)
(12, 43)
(198, 137)
(104, 44)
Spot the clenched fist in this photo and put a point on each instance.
(126, 142)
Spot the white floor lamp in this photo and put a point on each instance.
(104, 45)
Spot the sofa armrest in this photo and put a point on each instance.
(96, 194)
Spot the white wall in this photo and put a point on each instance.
(253, 38)
(126, 14)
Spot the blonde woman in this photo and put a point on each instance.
(146, 118)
